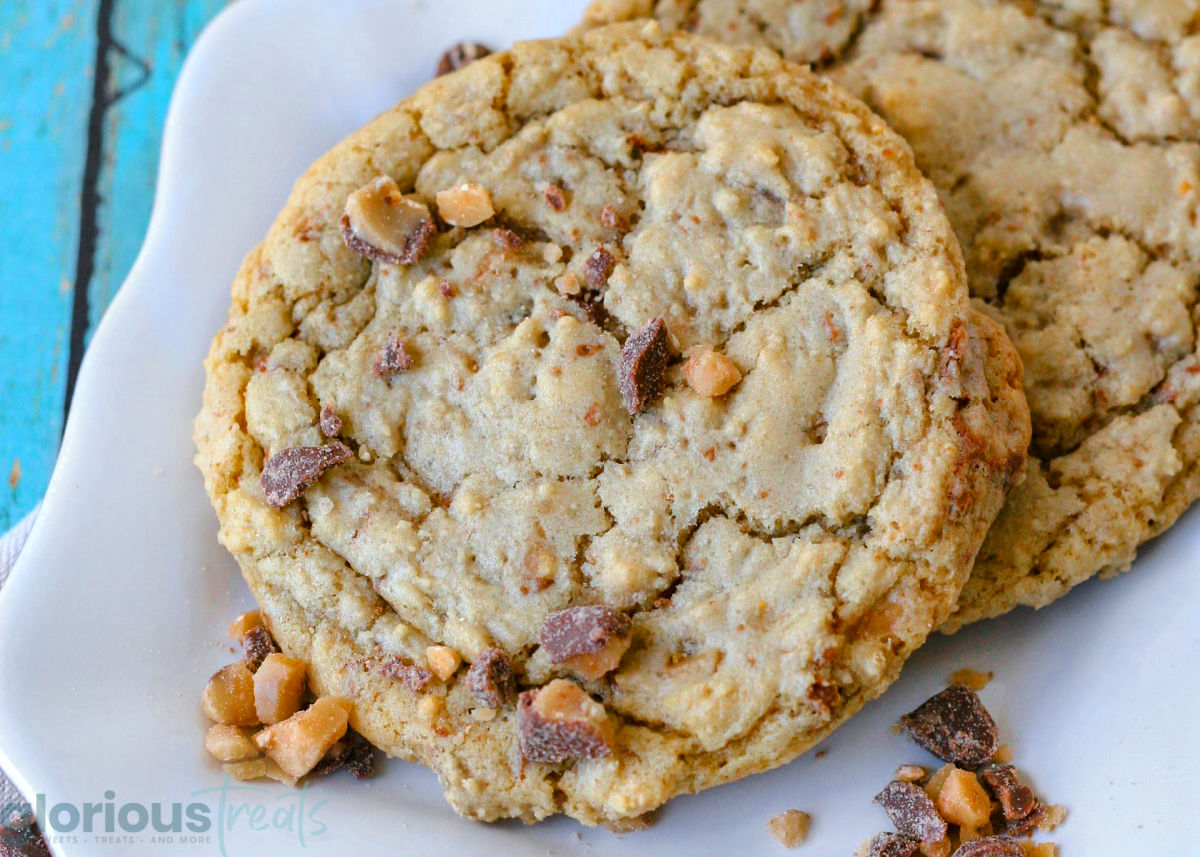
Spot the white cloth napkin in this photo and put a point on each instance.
(10, 547)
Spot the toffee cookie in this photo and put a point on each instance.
(1062, 139)
(608, 421)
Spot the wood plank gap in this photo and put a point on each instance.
(89, 199)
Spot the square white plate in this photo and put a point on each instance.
(114, 617)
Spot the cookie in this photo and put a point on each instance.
(1061, 137)
(807, 31)
(662, 427)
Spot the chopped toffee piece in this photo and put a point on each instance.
(1016, 799)
(560, 722)
(893, 845)
(352, 753)
(383, 224)
(298, 743)
(466, 205)
(910, 773)
(592, 301)
(599, 266)
(490, 679)
(961, 800)
(955, 727)
(413, 677)
(588, 640)
(977, 680)
(912, 811)
(506, 239)
(613, 219)
(257, 644)
(556, 198)
(789, 828)
(711, 373)
(288, 472)
(642, 366)
(940, 848)
(823, 696)
(631, 825)
(1025, 825)
(229, 744)
(393, 358)
(229, 697)
(278, 688)
(330, 422)
(568, 285)
(990, 846)
(360, 759)
(442, 661)
(243, 623)
(956, 346)
(457, 56)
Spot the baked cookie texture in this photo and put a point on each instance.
(806, 31)
(774, 552)
(1062, 140)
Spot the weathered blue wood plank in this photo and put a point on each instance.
(153, 39)
(48, 51)
(47, 48)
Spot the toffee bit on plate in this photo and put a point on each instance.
(298, 743)
(912, 811)
(955, 727)
(990, 846)
(243, 623)
(459, 55)
(1016, 799)
(789, 828)
(975, 810)
(977, 680)
(353, 753)
(256, 645)
(893, 845)
(229, 697)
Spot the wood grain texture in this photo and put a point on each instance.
(78, 163)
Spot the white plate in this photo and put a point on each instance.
(114, 617)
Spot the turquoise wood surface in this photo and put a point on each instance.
(84, 87)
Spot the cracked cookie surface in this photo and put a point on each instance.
(1062, 140)
(683, 591)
